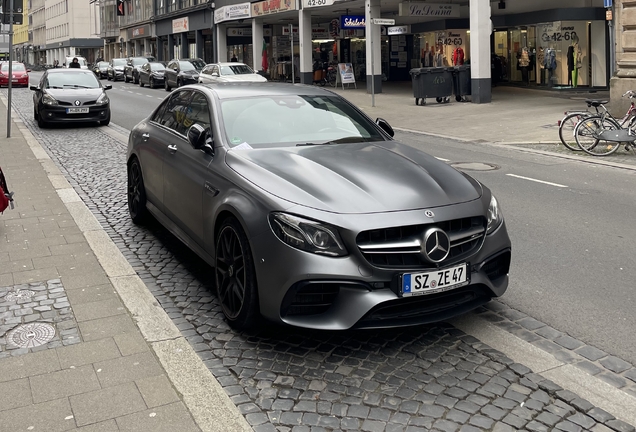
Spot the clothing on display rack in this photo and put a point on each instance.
(550, 63)
(439, 60)
(458, 56)
(524, 65)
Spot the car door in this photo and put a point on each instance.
(185, 168)
(144, 74)
(171, 74)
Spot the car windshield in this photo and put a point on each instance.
(285, 120)
(236, 70)
(157, 66)
(102, 64)
(196, 64)
(71, 80)
(16, 67)
(139, 61)
(119, 62)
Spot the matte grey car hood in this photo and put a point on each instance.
(354, 178)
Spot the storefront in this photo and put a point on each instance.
(185, 37)
(142, 41)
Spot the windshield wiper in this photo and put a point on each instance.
(314, 144)
(76, 86)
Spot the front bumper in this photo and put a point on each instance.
(57, 114)
(118, 74)
(318, 292)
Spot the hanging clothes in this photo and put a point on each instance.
(458, 56)
(524, 58)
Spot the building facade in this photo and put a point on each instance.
(22, 41)
(72, 29)
(624, 77)
(37, 28)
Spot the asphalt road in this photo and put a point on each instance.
(571, 224)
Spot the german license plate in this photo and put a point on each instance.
(435, 281)
(76, 110)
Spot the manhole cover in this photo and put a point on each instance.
(31, 335)
(474, 166)
(19, 295)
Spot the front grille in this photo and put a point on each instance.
(401, 247)
(64, 103)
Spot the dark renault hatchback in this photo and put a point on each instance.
(70, 96)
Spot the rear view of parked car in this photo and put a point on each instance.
(131, 70)
(116, 69)
(182, 72)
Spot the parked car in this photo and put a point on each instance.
(182, 72)
(131, 70)
(19, 74)
(310, 213)
(152, 73)
(80, 59)
(101, 69)
(229, 72)
(116, 69)
(70, 96)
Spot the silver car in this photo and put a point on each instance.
(229, 72)
(310, 213)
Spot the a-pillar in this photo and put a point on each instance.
(221, 43)
(185, 49)
(257, 43)
(170, 47)
(304, 33)
(480, 29)
(372, 33)
(198, 40)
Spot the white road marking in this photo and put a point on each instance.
(149, 96)
(139, 94)
(442, 159)
(538, 181)
(129, 91)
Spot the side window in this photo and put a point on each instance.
(198, 112)
(174, 115)
(215, 70)
(206, 70)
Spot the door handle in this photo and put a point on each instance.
(145, 136)
(172, 148)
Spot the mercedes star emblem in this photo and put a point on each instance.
(436, 245)
(429, 213)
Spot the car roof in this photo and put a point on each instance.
(67, 70)
(232, 64)
(249, 89)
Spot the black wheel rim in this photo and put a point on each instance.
(135, 186)
(230, 272)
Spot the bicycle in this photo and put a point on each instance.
(572, 118)
(602, 134)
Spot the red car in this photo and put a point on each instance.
(19, 72)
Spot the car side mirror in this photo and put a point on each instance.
(34, 88)
(198, 136)
(385, 126)
(108, 87)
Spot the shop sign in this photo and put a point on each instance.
(268, 7)
(429, 10)
(608, 15)
(350, 33)
(317, 3)
(346, 73)
(180, 25)
(139, 32)
(233, 12)
(321, 32)
(352, 21)
(246, 31)
(398, 30)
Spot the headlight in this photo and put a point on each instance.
(307, 235)
(103, 99)
(47, 99)
(495, 217)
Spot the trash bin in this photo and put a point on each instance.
(461, 82)
(432, 82)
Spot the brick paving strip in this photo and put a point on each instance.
(428, 378)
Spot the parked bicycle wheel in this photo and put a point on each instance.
(587, 133)
(566, 129)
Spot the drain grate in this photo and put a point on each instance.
(19, 294)
(31, 335)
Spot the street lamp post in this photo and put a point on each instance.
(10, 86)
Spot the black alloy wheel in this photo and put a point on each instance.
(135, 78)
(136, 193)
(235, 276)
(166, 86)
(151, 83)
(41, 122)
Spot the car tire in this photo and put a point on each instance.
(135, 79)
(166, 86)
(35, 114)
(151, 83)
(108, 77)
(125, 78)
(136, 193)
(42, 124)
(235, 276)
(179, 84)
(140, 83)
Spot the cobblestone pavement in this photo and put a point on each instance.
(416, 379)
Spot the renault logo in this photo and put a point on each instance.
(77, 103)
(436, 245)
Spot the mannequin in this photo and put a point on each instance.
(524, 65)
(576, 61)
(550, 63)
(439, 57)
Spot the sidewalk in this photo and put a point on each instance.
(83, 344)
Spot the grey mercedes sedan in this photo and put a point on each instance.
(310, 213)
